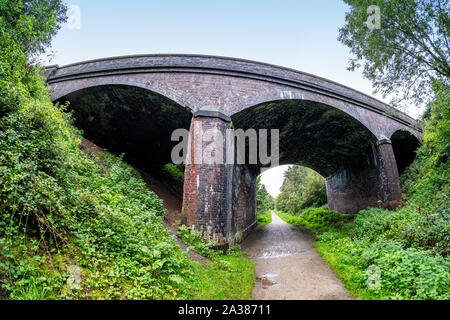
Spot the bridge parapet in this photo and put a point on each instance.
(254, 82)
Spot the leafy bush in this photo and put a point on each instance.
(404, 273)
(176, 171)
(408, 247)
(264, 217)
(195, 241)
(315, 219)
(415, 228)
(410, 273)
(371, 223)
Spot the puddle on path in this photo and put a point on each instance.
(268, 279)
(278, 252)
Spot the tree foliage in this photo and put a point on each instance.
(302, 188)
(264, 200)
(30, 23)
(410, 48)
(426, 180)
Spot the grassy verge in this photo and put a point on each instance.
(225, 275)
(225, 278)
(315, 219)
(378, 255)
(264, 217)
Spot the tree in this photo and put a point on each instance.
(26, 28)
(264, 200)
(32, 23)
(302, 188)
(408, 50)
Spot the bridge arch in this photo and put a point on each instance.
(66, 88)
(312, 134)
(218, 91)
(226, 85)
(288, 94)
(130, 120)
(404, 144)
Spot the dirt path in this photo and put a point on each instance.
(288, 266)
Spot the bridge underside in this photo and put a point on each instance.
(129, 120)
(360, 170)
(219, 200)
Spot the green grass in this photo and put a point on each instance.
(264, 218)
(346, 267)
(226, 278)
(224, 275)
(315, 219)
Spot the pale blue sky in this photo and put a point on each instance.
(300, 34)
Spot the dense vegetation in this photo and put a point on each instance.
(77, 225)
(315, 219)
(401, 254)
(265, 203)
(175, 170)
(264, 217)
(302, 188)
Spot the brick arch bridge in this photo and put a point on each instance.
(220, 200)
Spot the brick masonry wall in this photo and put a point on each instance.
(390, 189)
(208, 187)
(244, 200)
(374, 183)
(219, 200)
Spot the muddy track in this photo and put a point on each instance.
(288, 267)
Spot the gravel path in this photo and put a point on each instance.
(288, 266)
